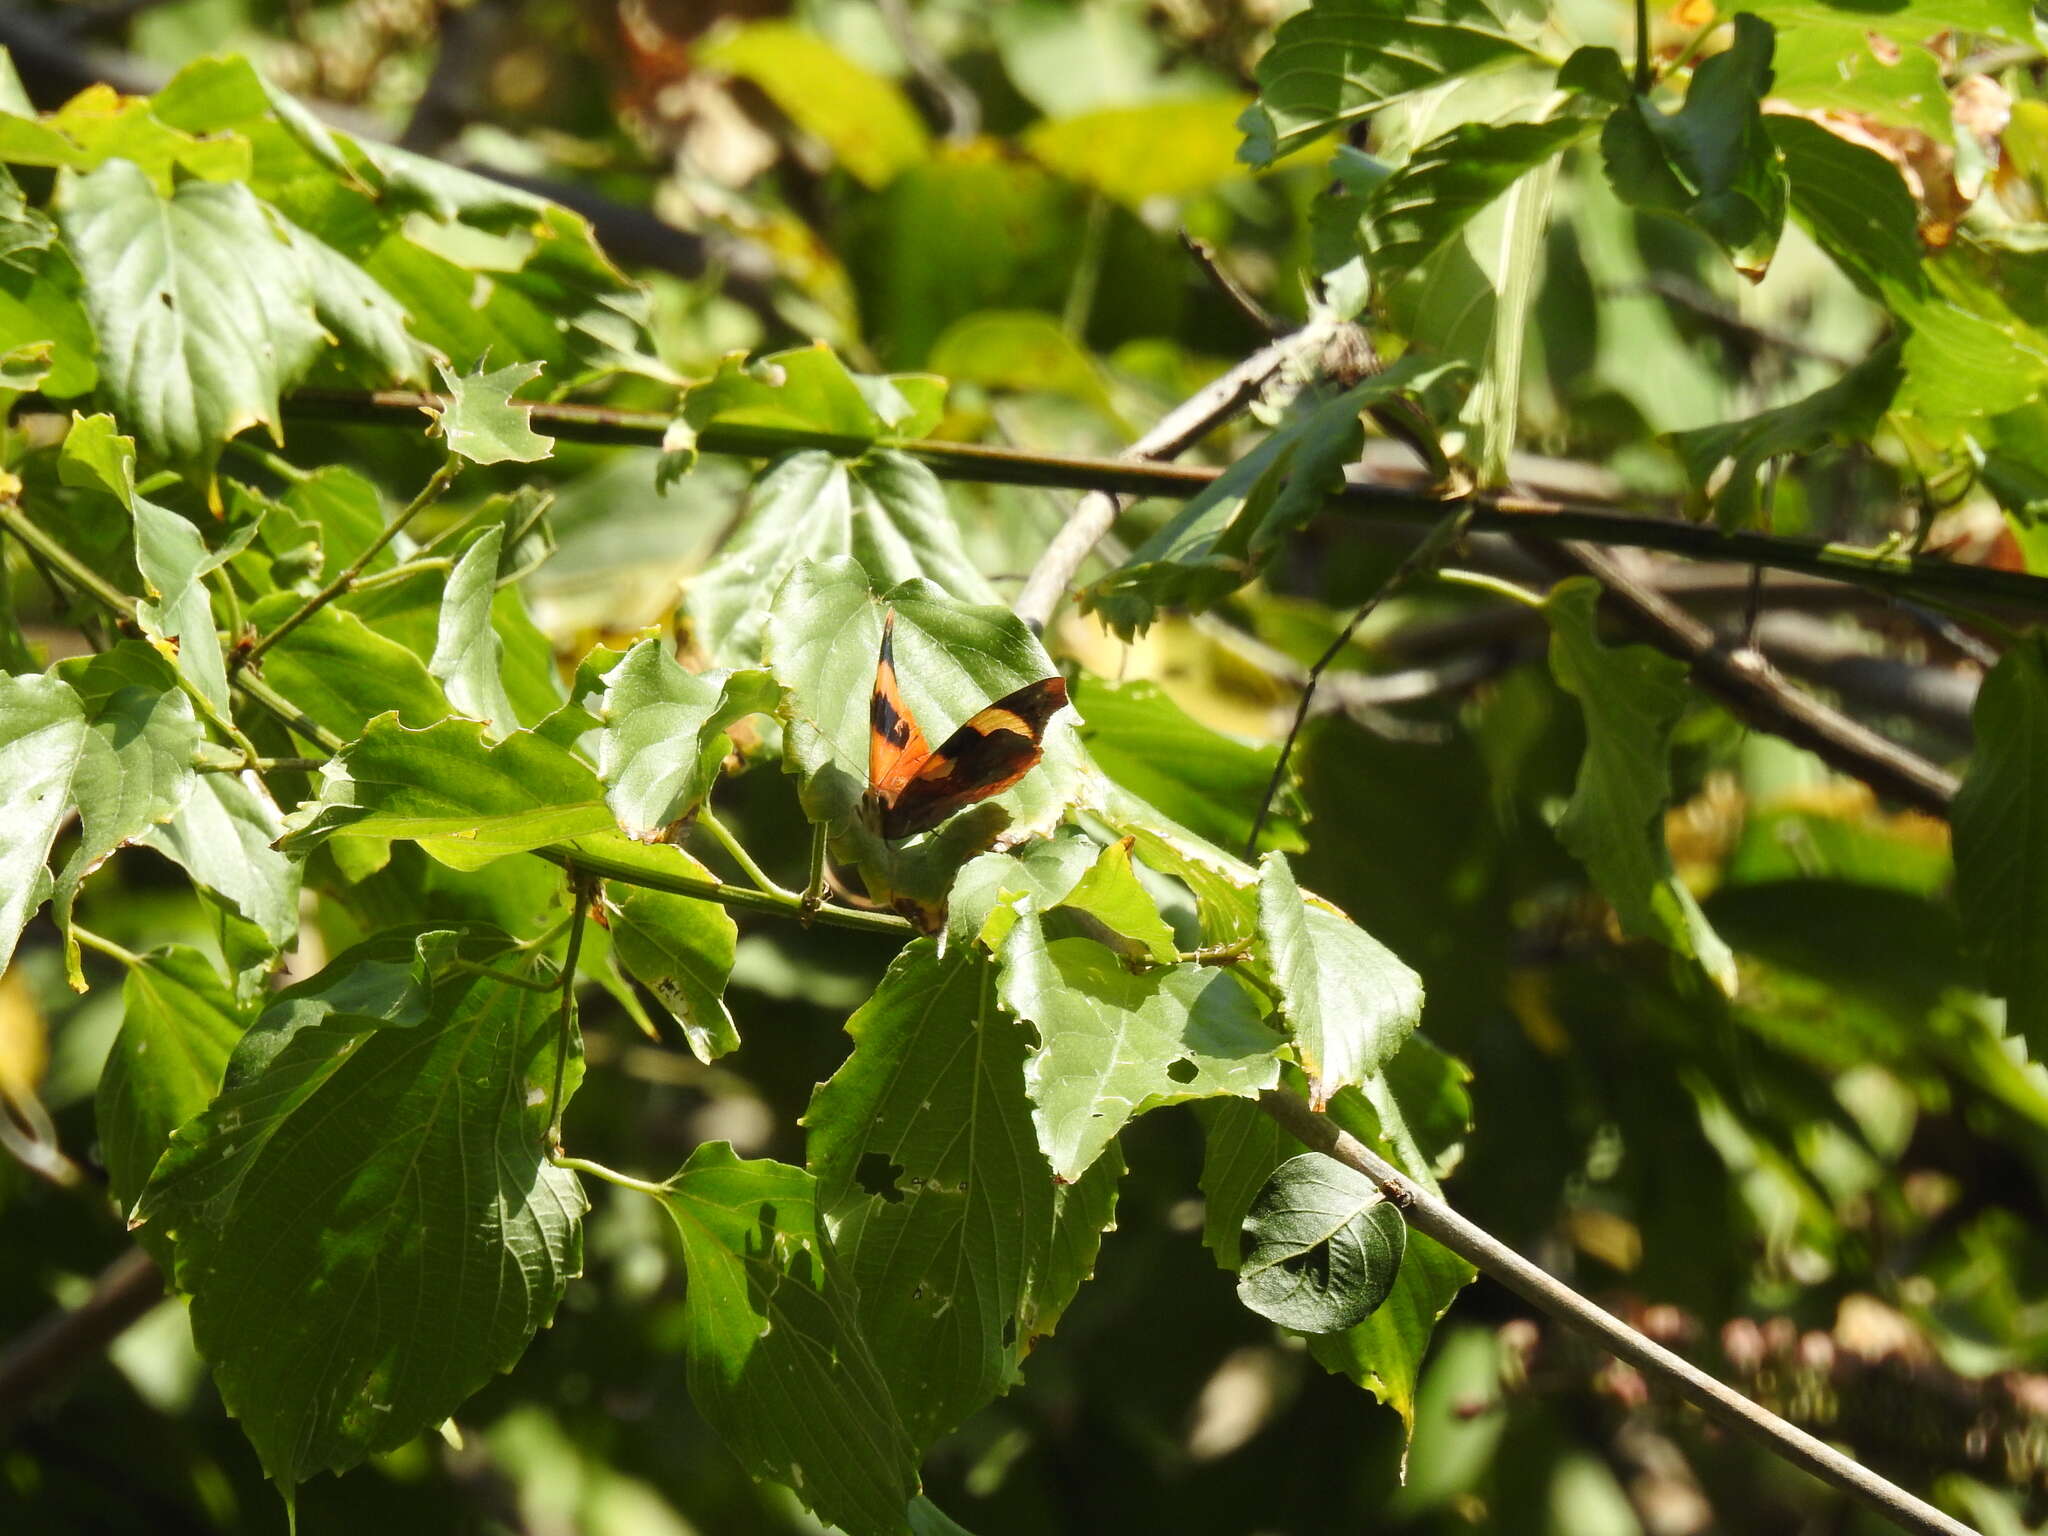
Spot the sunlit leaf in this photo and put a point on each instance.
(681, 950)
(1168, 148)
(484, 424)
(664, 736)
(864, 119)
(1834, 69)
(1322, 1246)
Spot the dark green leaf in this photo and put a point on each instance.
(1711, 162)
(1322, 1246)
(680, 949)
(2001, 837)
(778, 1362)
(807, 390)
(342, 672)
(1340, 60)
(1208, 782)
(365, 1218)
(1114, 1043)
(664, 734)
(1724, 463)
(1632, 698)
(179, 1023)
(1855, 205)
(945, 1213)
(1348, 1000)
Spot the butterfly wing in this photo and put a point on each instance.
(896, 747)
(984, 757)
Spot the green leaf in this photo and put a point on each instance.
(484, 424)
(179, 1023)
(468, 656)
(1409, 216)
(120, 756)
(343, 673)
(203, 312)
(1614, 824)
(944, 1212)
(1348, 1000)
(2001, 837)
(865, 120)
(681, 950)
(1173, 147)
(778, 1363)
(1021, 349)
(1834, 69)
(222, 838)
(1711, 162)
(1341, 60)
(1969, 355)
(464, 800)
(1120, 913)
(952, 658)
(1045, 869)
(1208, 782)
(807, 390)
(348, 513)
(1322, 1246)
(98, 126)
(663, 737)
(1113, 1043)
(1225, 533)
(1724, 463)
(886, 511)
(1855, 205)
(1912, 21)
(365, 1218)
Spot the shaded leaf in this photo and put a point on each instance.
(1711, 162)
(1614, 825)
(364, 1217)
(343, 673)
(681, 950)
(1855, 205)
(777, 1361)
(2000, 819)
(943, 1210)
(1348, 1000)
(1322, 1246)
(222, 838)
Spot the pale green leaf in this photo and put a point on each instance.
(485, 424)
(863, 119)
(1118, 911)
(468, 656)
(663, 739)
(1835, 69)
(1173, 147)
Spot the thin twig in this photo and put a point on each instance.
(429, 494)
(1423, 557)
(1429, 1214)
(582, 890)
(1173, 434)
(1204, 256)
(1541, 517)
(1751, 687)
(40, 1360)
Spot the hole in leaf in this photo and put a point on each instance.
(877, 1175)
(1009, 1331)
(1182, 1071)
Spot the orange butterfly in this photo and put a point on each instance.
(911, 787)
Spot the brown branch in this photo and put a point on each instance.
(47, 1355)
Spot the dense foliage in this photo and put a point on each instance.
(440, 607)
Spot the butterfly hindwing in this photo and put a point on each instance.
(914, 787)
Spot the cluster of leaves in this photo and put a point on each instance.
(351, 1175)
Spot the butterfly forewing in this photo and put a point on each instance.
(914, 787)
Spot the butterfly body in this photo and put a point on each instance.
(911, 786)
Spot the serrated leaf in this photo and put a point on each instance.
(485, 424)
(1409, 216)
(1711, 162)
(468, 656)
(777, 1361)
(663, 739)
(886, 511)
(202, 312)
(1208, 782)
(100, 125)
(1724, 463)
(179, 1024)
(1118, 910)
(1348, 1000)
(2000, 819)
(943, 1210)
(365, 1218)
(1113, 1043)
(464, 800)
(1044, 869)
(681, 950)
(1614, 824)
(1322, 1246)
(1225, 533)
(120, 757)
(1341, 60)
